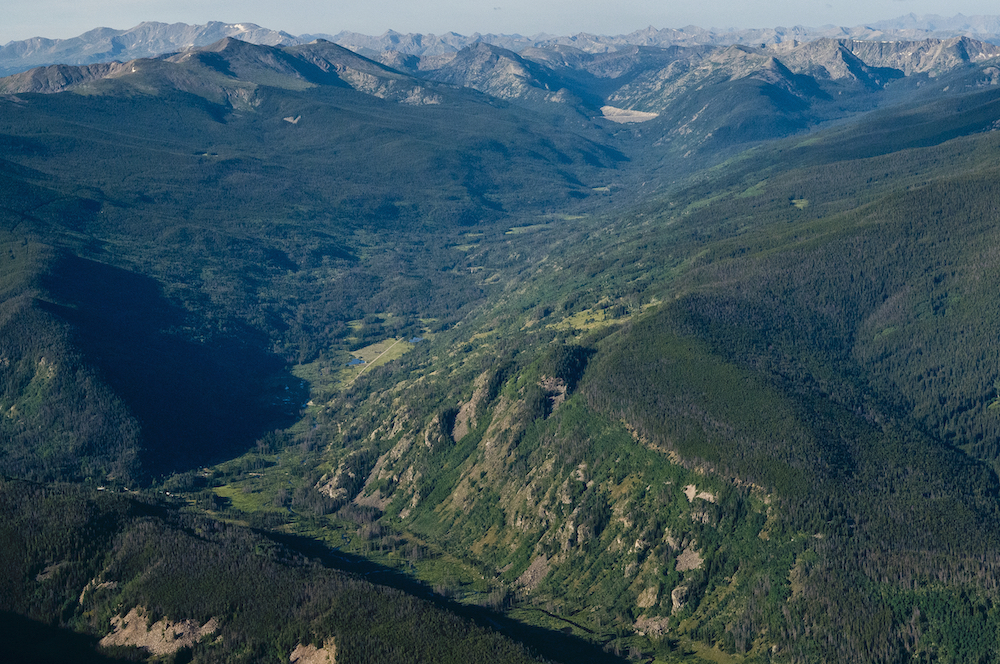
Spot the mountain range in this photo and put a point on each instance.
(150, 39)
(696, 100)
(501, 352)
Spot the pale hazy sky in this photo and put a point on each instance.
(21, 19)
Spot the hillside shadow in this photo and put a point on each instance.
(553, 645)
(26, 640)
(197, 402)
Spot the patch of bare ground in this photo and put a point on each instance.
(655, 627)
(623, 115)
(333, 486)
(691, 491)
(310, 654)
(94, 585)
(688, 559)
(161, 638)
(536, 571)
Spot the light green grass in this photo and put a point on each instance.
(755, 190)
(259, 500)
(588, 319)
(375, 355)
(326, 377)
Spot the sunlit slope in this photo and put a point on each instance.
(895, 291)
(755, 414)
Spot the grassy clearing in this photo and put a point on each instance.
(323, 379)
(379, 353)
(713, 654)
(256, 499)
(705, 202)
(755, 190)
(480, 336)
(588, 319)
(327, 377)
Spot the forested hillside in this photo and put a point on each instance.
(259, 599)
(304, 353)
(750, 458)
(218, 251)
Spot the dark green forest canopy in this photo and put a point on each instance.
(266, 597)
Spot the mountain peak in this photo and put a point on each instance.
(226, 44)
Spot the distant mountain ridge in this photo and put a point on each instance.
(151, 39)
(146, 40)
(694, 99)
(905, 28)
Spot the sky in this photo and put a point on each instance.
(60, 19)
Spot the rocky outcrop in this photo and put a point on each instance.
(161, 638)
(678, 597)
(310, 654)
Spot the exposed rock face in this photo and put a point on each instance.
(244, 67)
(151, 39)
(834, 59)
(648, 597)
(49, 571)
(678, 597)
(364, 75)
(930, 56)
(876, 61)
(498, 72)
(161, 638)
(469, 411)
(94, 584)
